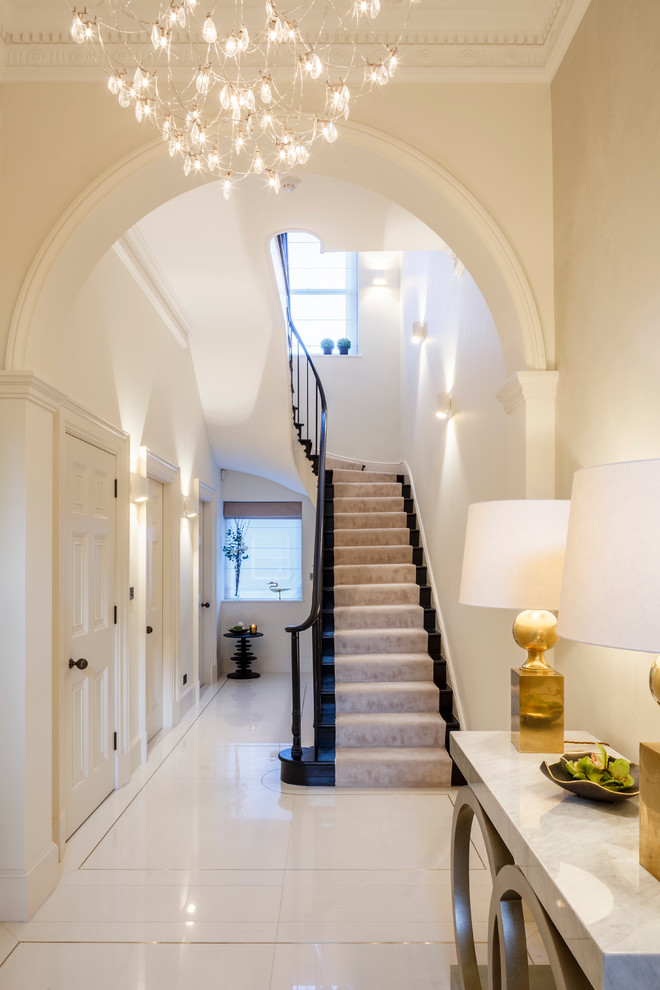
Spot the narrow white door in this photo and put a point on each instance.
(88, 693)
(204, 604)
(154, 630)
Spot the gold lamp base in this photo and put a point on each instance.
(649, 807)
(537, 691)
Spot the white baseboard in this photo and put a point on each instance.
(23, 891)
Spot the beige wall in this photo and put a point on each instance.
(606, 155)
(455, 462)
(57, 140)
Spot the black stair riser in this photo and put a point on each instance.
(328, 577)
(421, 575)
(401, 480)
(425, 596)
(435, 645)
(326, 736)
(418, 556)
(430, 619)
(405, 491)
(328, 598)
(328, 556)
(414, 538)
(412, 520)
(446, 703)
(408, 505)
(440, 673)
(328, 621)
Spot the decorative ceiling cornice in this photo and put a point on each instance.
(134, 252)
(427, 55)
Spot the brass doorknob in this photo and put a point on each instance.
(150, 629)
(80, 664)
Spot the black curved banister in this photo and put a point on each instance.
(310, 420)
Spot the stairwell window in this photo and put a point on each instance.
(272, 570)
(324, 291)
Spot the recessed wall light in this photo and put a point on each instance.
(443, 409)
(418, 332)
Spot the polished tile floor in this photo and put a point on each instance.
(205, 871)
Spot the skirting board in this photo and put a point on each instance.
(23, 891)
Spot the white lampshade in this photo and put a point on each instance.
(611, 589)
(514, 552)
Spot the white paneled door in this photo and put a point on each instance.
(154, 652)
(88, 696)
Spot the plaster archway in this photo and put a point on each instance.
(144, 180)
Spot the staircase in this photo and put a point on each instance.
(382, 662)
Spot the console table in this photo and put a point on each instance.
(243, 655)
(575, 863)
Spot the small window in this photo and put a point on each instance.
(272, 569)
(324, 292)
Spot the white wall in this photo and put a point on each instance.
(362, 390)
(116, 358)
(274, 650)
(606, 137)
(455, 462)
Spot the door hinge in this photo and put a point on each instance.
(115, 615)
(115, 743)
(115, 488)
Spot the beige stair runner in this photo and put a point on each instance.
(389, 732)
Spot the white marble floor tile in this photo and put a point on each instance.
(362, 967)
(138, 967)
(203, 758)
(342, 831)
(199, 824)
(170, 877)
(7, 943)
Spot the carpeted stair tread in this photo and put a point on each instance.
(370, 503)
(405, 766)
(333, 462)
(380, 641)
(384, 696)
(343, 475)
(369, 667)
(374, 555)
(387, 616)
(374, 489)
(391, 536)
(375, 574)
(409, 729)
(370, 520)
(376, 594)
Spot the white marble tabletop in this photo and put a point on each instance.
(581, 857)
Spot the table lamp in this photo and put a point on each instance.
(513, 558)
(611, 593)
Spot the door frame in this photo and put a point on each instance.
(208, 664)
(169, 474)
(72, 419)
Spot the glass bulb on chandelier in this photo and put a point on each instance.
(198, 74)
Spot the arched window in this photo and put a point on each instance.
(324, 291)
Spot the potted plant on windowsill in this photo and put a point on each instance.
(343, 344)
(327, 345)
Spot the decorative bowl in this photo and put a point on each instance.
(238, 629)
(559, 775)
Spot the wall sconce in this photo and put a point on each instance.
(378, 278)
(189, 506)
(139, 488)
(418, 332)
(444, 408)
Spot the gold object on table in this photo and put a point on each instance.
(649, 807)
(537, 691)
(253, 627)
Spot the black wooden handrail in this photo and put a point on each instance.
(310, 420)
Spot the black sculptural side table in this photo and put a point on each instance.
(243, 655)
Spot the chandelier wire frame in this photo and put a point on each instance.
(239, 89)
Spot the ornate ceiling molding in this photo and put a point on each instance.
(427, 55)
(134, 252)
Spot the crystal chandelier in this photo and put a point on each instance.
(240, 89)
